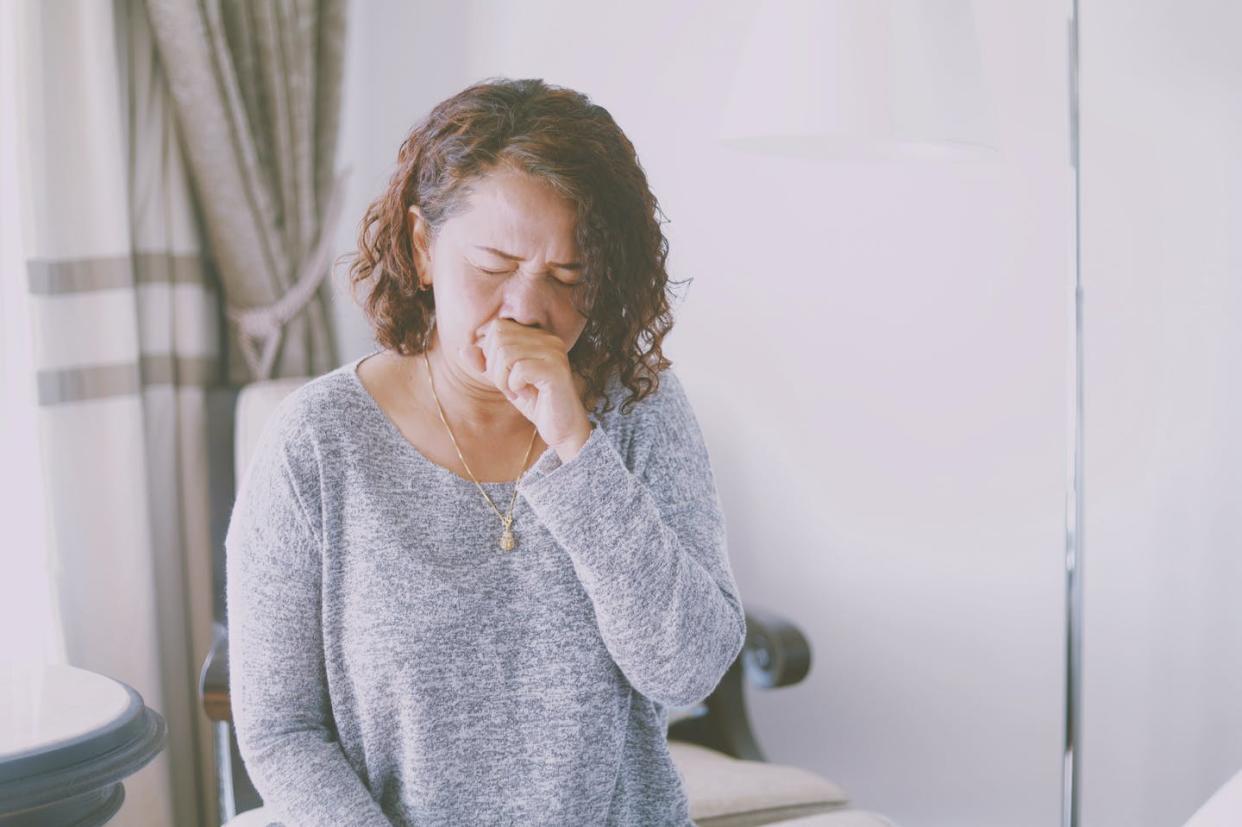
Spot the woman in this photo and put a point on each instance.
(467, 575)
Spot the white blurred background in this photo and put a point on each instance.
(878, 353)
(879, 347)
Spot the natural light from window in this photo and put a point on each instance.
(28, 630)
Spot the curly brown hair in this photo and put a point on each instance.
(561, 137)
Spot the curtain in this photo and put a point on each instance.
(257, 90)
(178, 199)
(29, 631)
(124, 342)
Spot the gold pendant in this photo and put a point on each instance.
(507, 540)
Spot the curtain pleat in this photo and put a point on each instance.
(126, 340)
(257, 88)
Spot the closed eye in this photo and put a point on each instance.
(503, 272)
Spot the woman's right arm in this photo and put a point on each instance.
(277, 682)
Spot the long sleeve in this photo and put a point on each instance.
(649, 547)
(277, 678)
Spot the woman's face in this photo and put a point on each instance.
(511, 254)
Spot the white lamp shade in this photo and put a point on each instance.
(878, 78)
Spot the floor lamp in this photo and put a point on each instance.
(1071, 761)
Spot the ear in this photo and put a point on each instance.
(418, 241)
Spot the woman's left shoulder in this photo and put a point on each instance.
(666, 428)
(665, 407)
(658, 392)
(669, 394)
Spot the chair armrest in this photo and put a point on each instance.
(776, 653)
(213, 680)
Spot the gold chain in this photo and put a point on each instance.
(508, 541)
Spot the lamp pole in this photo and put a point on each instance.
(1071, 763)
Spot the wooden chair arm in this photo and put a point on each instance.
(775, 653)
(213, 680)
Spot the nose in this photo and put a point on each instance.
(535, 325)
(526, 302)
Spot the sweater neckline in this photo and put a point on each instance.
(408, 448)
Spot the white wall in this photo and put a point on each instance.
(1162, 267)
(878, 355)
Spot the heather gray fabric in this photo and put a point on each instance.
(390, 664)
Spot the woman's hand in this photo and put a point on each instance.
(531, 367)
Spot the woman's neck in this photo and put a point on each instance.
(471, 411)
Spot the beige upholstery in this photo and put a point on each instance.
(728, 792)
(841, 818)
(834, 818)
(255, 402)
(258, 817)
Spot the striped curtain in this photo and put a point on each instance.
(257, 88)
(165, 256)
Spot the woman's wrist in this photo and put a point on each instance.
(569, 449)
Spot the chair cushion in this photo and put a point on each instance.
(258, 817)
(255, 403)
(731, 792)
(683, 713)
(840, 818)
(262, 817)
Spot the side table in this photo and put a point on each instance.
(68, 737)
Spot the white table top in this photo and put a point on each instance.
(68, 738)
(44, 705)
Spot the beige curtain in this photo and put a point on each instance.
(170, 206)
(257, 91)
(125, 340)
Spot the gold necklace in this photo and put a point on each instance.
(507, 539)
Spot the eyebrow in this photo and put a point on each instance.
(573, 265)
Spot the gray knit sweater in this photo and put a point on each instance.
(390, 664)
